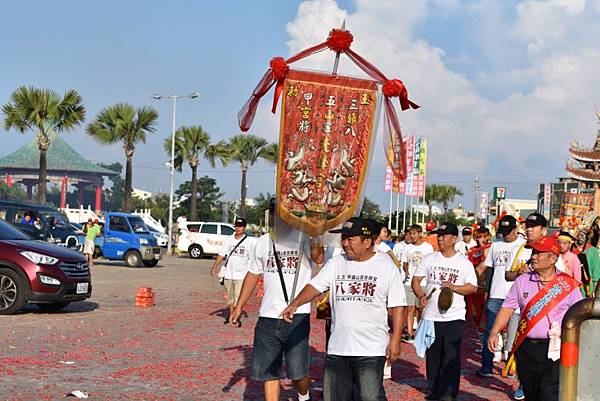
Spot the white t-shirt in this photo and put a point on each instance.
(413, 255)
(498, 257)
(273, 302)
(361, 294)
(456, 270)
(399, 249)
(239, 261)
(462, 247)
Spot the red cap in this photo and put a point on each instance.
(545, 244)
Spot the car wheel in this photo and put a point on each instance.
(53, 306)
(195, 251)
(12, 292)
(133, 258)
(150, 263)
(97, 252)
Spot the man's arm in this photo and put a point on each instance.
(246, 292)
(480, 269)
(465, 289)
(415, 284)
(307, 294)
(218, 261)
(317, 252)
(393, 348)
(394, 258)
(501, 321)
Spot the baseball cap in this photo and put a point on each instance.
(545, 244)
(507, 224)
(567, 236)
(467, 231)
(240, 222)
(447, 229)
(536, 219)
(483, 230)
(355, 226)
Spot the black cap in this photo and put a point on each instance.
(507, 224)
(483, 230)
(536, 219)
(467, 231)
(447, 229)
(240, 222)
(355, 226)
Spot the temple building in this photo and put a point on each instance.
(584, 164)
(65, 167)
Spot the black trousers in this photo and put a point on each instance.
(538, 374)
(443, 358)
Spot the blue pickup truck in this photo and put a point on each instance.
(126, 237)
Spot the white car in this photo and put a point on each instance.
(202, 238)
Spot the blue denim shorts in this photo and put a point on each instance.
(275, 339)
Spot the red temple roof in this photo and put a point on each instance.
(585, 154)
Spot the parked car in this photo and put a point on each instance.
(202, 238)
(126, 237)
(40, 273)
(162, 239)
(53, 227)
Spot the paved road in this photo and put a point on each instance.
(177, 350)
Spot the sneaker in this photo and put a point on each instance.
(519, 395)
(404, 338)
(481, 373)
(222, 281)
(497, 357)
(505, 356)
(410, 339)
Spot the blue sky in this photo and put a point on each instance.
(504, 85)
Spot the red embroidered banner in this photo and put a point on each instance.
(325, 140)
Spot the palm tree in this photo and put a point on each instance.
(432, 195)
(126, 124)
(246, 149)
(447, 195)
(43, 111)
(190, 144)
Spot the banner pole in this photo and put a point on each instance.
(391, 201)
(404, 213)
(398, 212)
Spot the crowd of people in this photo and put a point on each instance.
(375, 293)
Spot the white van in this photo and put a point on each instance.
(202, 238)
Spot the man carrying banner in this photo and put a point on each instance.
(275, 339)
(544, 296)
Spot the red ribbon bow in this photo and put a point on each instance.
(339, 40)
(395, 88)
(279, 69)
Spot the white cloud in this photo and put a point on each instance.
(523, 133)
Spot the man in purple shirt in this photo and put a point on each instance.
(537, 355)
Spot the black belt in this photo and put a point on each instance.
(537, 340)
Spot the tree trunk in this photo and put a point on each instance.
(128, 184)
(243, 194)
(430, 206)
(193, 203)
(42, 178)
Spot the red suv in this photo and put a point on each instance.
(37, 272)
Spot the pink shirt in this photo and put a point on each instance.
(524, 289)
(573, 264)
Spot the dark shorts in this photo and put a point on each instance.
(275, 339)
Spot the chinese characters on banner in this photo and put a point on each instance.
(325, 139)
(387, 186)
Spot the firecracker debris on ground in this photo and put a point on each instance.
(178, 349)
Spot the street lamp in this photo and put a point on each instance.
(172, 162)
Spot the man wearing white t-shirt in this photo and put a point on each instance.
(364, 284)
(411, 260)
(237, 251)
(467, 242)
(274, 338)
(445, 269)
(498, 258)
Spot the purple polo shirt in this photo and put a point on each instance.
(524, 289)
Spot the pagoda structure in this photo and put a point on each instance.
(65, 167)
(584, 163)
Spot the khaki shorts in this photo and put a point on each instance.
(88, 246)
(233, 288)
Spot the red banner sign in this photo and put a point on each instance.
(327, 129)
